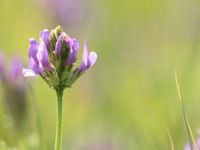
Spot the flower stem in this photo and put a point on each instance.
(58, 138)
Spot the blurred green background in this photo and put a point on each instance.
(126, 99)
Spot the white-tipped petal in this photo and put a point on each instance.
(92, 58)
(28, 72)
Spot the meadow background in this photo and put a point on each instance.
(125, 101)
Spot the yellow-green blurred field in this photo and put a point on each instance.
(125, 101)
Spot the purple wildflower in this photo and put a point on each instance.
(54, 61)
(54, 58)
(15, 69)
(15, 89)
(12, 74)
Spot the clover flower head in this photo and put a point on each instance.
(55, 56)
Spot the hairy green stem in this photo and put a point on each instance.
(58, 138)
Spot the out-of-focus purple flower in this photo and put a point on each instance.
(67, 12)
(11, 74)
(187, 145)
(1, 65)
(15, 69)
(54, 58)
(15, 89)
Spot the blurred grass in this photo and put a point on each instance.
(130, 93)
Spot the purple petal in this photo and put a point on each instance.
(85, 54)
(58, 45)
(33, 59)
(68, 39)
(84, 63)
(33, 49)
(45, 36)
(28, 72)
(73, 52)
(92, 59)
(43, 56)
